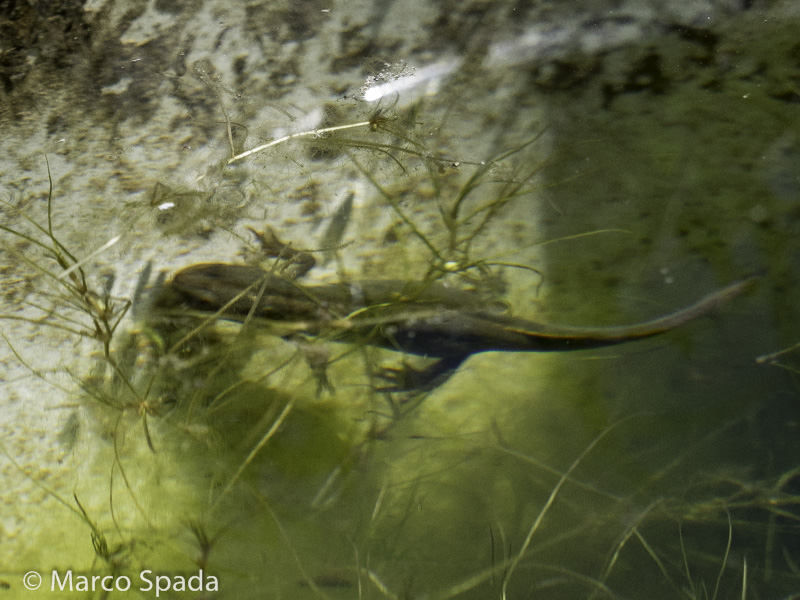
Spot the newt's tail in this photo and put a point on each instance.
(555, 337)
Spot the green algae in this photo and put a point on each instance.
(218, 450)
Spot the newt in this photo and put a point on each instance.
(428, 319)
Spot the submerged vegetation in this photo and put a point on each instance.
(258, 451)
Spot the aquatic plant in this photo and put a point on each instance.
(81, 309)
(122, 390)
(280, 456)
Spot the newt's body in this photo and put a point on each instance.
(426, 319)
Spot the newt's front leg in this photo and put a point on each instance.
(296, 262)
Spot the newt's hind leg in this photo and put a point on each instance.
(405, 378)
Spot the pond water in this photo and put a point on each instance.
(407, 182)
